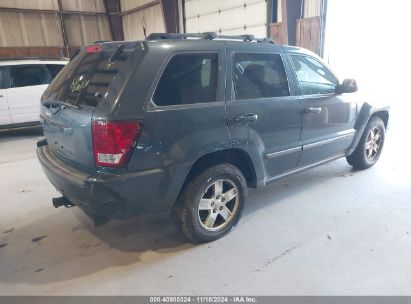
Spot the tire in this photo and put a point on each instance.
(204, 213)
(370, 146)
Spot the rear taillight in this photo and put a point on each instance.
(113, 141)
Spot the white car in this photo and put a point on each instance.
(22, 82)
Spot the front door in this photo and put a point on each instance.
(28, 83)
(327, 118)
(264, 115)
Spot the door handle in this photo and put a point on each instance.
(1, 96)
(246, 117)
(315, 110)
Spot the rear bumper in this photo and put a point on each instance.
(108, 195)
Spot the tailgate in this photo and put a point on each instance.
(68, 133)
(69, 102)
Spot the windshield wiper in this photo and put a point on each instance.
(60, 103)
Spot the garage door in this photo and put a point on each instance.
(229, 17)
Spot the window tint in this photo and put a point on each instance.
(313, 77)
(87, 77)
(54, 69)
(259, 76)
(187, 79)
(4, 78)
(28, 75)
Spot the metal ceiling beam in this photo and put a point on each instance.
(42, 11)
(171, 15)
(293, 12)
(115, 20)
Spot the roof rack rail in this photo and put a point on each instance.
(237, 37)
(160, 36)
(100, 41)
(208, 36)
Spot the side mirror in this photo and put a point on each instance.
(348, 86)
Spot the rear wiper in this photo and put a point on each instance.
(60, 103)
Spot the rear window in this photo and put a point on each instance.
(87, 77)
(188, 79)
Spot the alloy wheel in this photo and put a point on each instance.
(218, 205)
(373, 143)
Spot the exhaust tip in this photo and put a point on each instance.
(61, 201)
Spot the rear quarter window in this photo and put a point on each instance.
(188, 78)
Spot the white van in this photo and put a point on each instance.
(22, 82)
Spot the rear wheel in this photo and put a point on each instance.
(370, 146)
(211, 204)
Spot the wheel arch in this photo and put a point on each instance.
(383, 114)
(366, 113)
(234, 156)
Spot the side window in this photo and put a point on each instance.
(4, 78)
(28, 75)
(54, 69)
(259, 75)
(188, 79)
(313, 77)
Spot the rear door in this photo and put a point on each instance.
(264, 113)
(186, 116)
(4, 107)
(28, 82)
(328, 118)
(83, 84)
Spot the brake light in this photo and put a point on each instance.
(113, 141)
(95, 48)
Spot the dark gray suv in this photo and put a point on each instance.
(185, 123)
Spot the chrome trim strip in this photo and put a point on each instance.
(283, 152)
(286, 173)
(348, 135)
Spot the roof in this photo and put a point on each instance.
(7, 62)
(296, 49)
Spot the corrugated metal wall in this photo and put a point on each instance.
(30, 4)
(32, 29)
(144, 21)
(82, 30)
(24, 29)
(94, 6)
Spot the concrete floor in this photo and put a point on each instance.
(329, 231)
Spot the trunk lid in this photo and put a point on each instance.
(70, 101)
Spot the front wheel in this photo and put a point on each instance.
(211, 204)
(370, 146)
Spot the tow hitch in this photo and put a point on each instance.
(62, 201)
